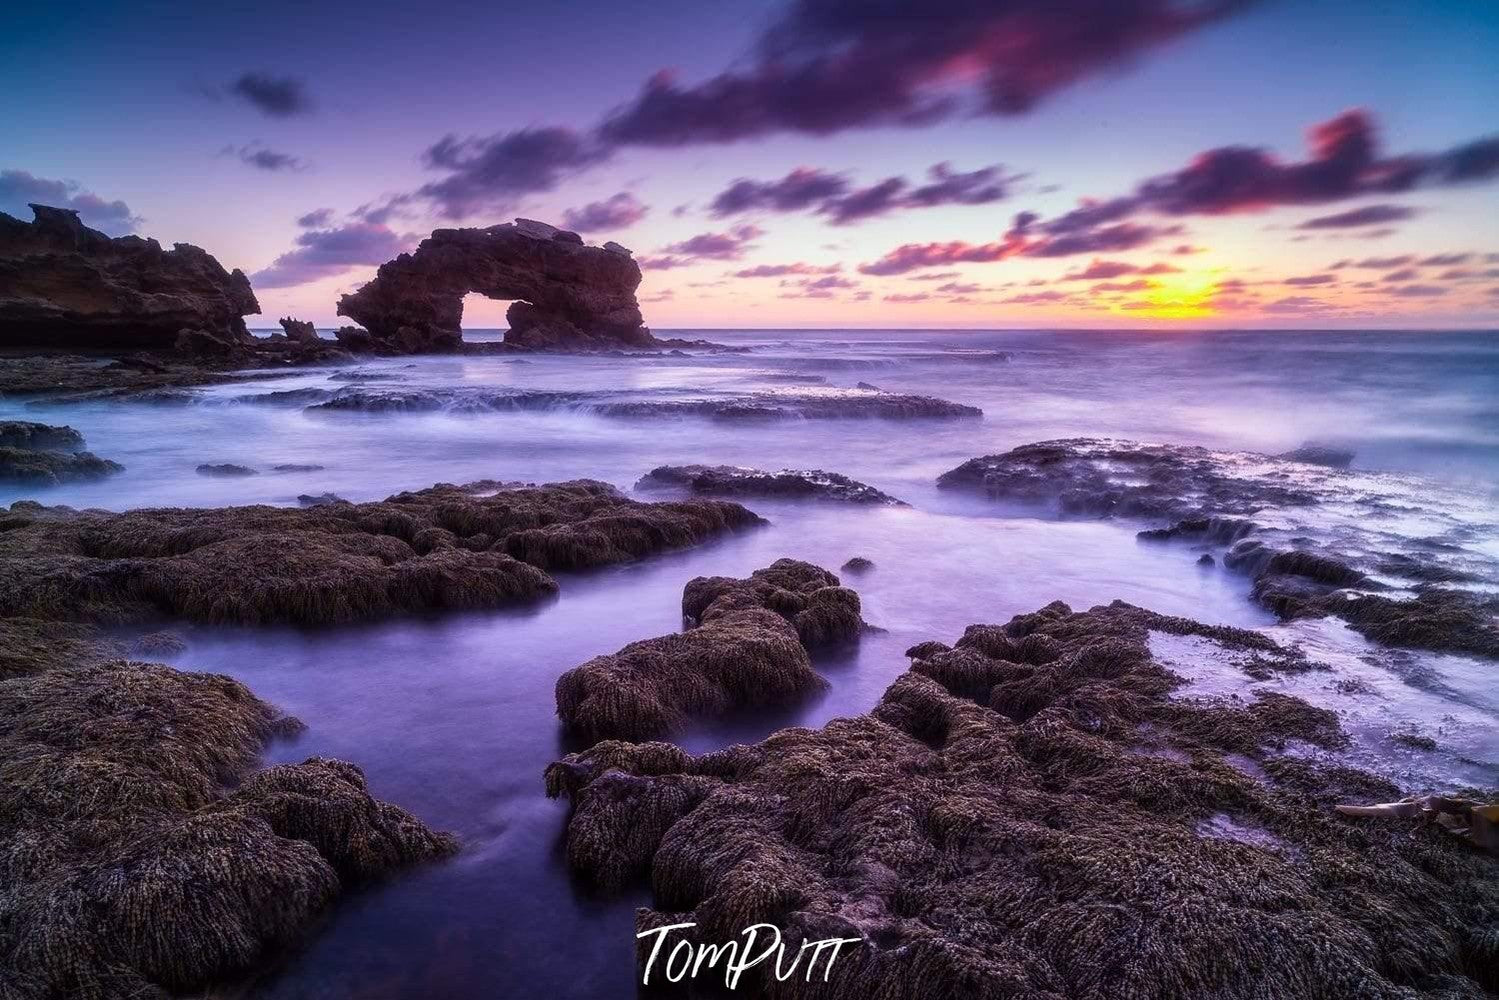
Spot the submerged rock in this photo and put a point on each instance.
(746, 647)
(569, 295)
(225, 470)
(436, 549)
(858, 564)
(64, 285)
(1313, 453)
(43, 455)
(746, 407)
(736, 481)
(1030, 814)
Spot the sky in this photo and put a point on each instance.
(1171, 164)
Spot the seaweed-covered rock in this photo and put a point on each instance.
(434, 549)
(813, 600)
(737, 481)
(129, 870)
(64, 285)
(1099, 478)
(31, 436)
(48, 468)
(1310, 534)
(1032, 814)
(44, 455)
(570, 295)
(746, 647)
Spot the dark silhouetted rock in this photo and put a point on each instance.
(746, 648)
(43, 455)
(735, 481)
(66, 286)
(1206, 559)
(225, 470)
(1032, 815)
(298, 330)
(570, 296)
(858, 564)
(297, 467)
(318, 500)
(38, 437)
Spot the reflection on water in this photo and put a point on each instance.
(452, 717)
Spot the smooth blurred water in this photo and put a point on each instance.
(452, 717)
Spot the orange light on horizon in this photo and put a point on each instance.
(1177, 296)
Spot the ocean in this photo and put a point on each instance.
(452, 717)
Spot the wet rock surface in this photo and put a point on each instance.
(64, 285)
(1032, 813)
(569, 295)
(733, 407)
(43, 455)
(1311, 535)
(736, 481)
(746, 646)
(441, 548)
(144, 854)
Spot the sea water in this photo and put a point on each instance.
(452, 716)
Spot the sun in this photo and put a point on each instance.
(1179, 296)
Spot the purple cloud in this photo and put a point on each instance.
(316, 219)
(780, 270)
(263, 158)
(491, 173)
(1369, 215)
(322, 253)
(1308, 280)
(618, 212)
(19, 188)
(275, 96)
(715, 246)
(830, 65)
(800, 189)
(829, 194)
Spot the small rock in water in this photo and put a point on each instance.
(225, 469)
(858, 564)
(1205, 560)
(870, 386)
(320, 499)
(735, 481)
(1414, 740)
(1320, 454)
(296, 467)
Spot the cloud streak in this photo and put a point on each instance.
(323, 253)
(617, 212)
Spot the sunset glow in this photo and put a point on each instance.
(962, 181)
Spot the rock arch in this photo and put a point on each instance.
(568, 295)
